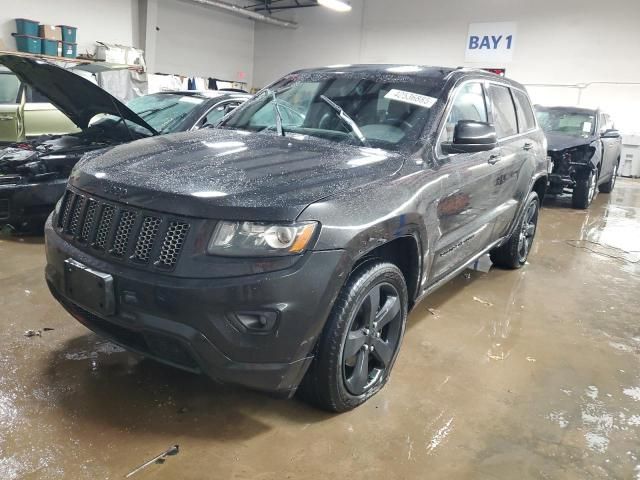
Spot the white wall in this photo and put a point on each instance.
(558, 42)
(203, 41)
(111, 21)
(191, 40)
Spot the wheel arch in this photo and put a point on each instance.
(404, 252)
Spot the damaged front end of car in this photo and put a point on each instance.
(33, 176)
(568, 166)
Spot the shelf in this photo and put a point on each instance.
(75, 61)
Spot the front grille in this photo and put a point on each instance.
(126, 234)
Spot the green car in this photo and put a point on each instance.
(25, 113)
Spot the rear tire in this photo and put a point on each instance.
(585, 190)
(360, 341)
(514, 253)
(608, 187)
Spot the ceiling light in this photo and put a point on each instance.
(337, 5)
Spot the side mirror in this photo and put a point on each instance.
(611, 133)
(470, 137)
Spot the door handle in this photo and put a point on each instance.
(527, 146)
(6, 118)
(494, 158)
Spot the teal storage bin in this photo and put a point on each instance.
(69, 50)
(68, 33)
(27, 27)
(50, 47)
(28, 43)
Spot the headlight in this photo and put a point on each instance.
(250, 239)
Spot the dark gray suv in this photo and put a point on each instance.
(283, 250)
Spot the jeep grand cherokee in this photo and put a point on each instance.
(283, 250)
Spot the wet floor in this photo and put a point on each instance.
(509, 374)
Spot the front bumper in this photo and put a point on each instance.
(27, 205)
(192, 323)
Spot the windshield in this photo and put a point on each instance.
(385, 113)
(164, 111)
(9, 86)
(575, 124)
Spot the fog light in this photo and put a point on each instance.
(262, 322)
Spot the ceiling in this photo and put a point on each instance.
(269, 6)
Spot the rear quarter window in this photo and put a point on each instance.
(504, 112)
(526, 119)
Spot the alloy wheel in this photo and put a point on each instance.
(528, 231)
(373, 339)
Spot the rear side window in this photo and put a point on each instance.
(9, 88)
(504, 112)
(469, 104)
(526, 120)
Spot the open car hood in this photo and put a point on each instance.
(76, 97)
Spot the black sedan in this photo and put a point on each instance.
(33, 173)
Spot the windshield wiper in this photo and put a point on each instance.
(346, 119)
(151, 111)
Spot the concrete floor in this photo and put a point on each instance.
(540, 382)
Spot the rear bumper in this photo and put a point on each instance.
(28, 205)
(192, 323)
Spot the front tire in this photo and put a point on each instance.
(585, 190)
(360, 341)
(514, 253)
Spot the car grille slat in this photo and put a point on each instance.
(146, 239)
(65, 208)
(123, 232)
(89, 220)
(104, 227)
(142, 238)
(172, 245)
(76, 212)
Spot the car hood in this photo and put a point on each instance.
(229, 173)
(76, 97)
(558, 141)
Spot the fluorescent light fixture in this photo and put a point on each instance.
(337, 5)
(405, 69)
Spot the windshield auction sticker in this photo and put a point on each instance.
(412, 98)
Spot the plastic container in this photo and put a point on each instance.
(28, 43)
(27, 27)
(51, 47)
(68, 33)
(69, 50)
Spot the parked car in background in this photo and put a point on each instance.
(25, 113)
(33, 173)
(283, 251)
(584, 149)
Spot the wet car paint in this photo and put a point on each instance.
(361, 198)
(542, 383)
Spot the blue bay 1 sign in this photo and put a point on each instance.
(491, 42)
